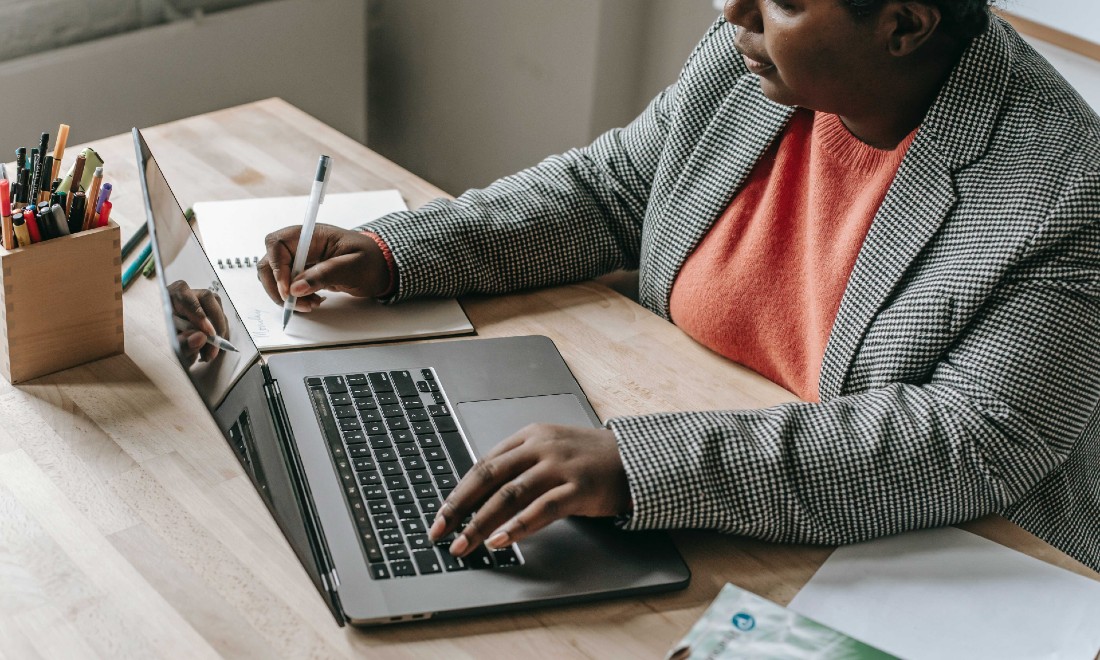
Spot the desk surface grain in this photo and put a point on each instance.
(128, 529)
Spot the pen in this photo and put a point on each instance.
(20, 229)
(93, 197)
(5, 209)
(183, 325)
(104, 215)
(134, 240)
(36, 178)
(104, 195)
(135, 266)
(32, 225)
(44, 182)
(74, 182)
(59, 148)
(76, 212)
(60, 222)
(45, 221)
(316, 196)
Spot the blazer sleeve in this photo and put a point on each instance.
(1003, 408)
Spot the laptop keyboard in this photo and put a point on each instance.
(398, 454)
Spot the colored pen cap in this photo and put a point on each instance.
(105, 214)
(60, 222)
(5, 197)
(104, 196)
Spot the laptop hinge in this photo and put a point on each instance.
(319, 547)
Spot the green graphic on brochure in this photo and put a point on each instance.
(740, 624)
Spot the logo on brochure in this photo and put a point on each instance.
(743, 621)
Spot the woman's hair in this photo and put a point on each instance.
(965, 19)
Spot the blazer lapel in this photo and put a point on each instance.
(955, 132)
(738, 134)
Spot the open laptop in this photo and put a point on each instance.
(353, 450)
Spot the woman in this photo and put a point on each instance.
(888, 206)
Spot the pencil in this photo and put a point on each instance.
(135, 266)
(135, 240)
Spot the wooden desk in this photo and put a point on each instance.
(128, 529)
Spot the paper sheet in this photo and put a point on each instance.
(946, 593)
(234, 231)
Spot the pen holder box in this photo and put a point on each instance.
(60, 303)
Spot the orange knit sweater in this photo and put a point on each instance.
(764, 285)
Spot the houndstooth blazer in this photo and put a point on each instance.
(962, 375)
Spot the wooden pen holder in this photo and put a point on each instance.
(60, 303)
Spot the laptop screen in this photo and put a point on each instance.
(231, 384)
(187, 278)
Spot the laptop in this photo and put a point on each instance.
(353, 449)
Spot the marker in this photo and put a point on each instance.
(316, 197)
(60, 222)
(19, 227)
(36, 178)
(32, 225)
(76, 212)
(135, 266)
(59, 148)
(104, 215)
(73, 179)
(5, 209)
(150, 267)
(93, 197)
(24, 184)
(134, 240)
(104, 195)
(43, 143)
(44, 181)
(45, 221)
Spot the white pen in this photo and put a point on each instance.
(183, 325)
(316, 196)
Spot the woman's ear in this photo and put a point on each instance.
(909, 24)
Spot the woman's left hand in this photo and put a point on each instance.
(540, 474)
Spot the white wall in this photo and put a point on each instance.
(465, 91)
(310, 52)
(1081, 18)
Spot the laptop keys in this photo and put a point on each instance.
(450, 562)
(403, 383)
(392, 435)
(403, 568)
(427, 562)
(380, 381)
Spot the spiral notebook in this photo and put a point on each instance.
(233, 234)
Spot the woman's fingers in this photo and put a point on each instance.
(486, 477)
(552, 505)
(508, 500)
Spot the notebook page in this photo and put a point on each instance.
(233, 234)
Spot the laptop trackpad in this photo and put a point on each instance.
(488, 422)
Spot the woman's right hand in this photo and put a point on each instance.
(339, 260)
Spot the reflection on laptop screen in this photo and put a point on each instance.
(186, 276)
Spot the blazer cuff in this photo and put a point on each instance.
(658, 464)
